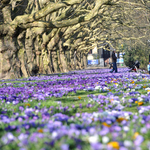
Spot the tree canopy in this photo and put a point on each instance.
(49, 36)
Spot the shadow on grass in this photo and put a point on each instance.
(72, 97)
(79, 93)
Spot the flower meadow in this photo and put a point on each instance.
(82, 110)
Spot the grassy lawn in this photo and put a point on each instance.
(35, 117)
(76, 99)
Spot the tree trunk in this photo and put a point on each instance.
(46, 60)
(73, 59)
(10, 64)
(5, 65)
(63, 61)
(59, 60)
(29, 45)
(82, 64)
(21, 55)
(67, 53)
(79, 60)
(85, 60)
(49, 69)
(54, 61)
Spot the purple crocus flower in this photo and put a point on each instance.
(64, 147)
(138, 141)
(8, 138)
(96, 146)
(104, 131)
(21, 108)
(80, 105)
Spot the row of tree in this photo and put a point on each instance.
(50, 36)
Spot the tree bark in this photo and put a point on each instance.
(71, 59)
(21, 54)
(63, 61)
(54, 60)
(85, 60)
(29, 46)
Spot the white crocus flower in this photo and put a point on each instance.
(147, 89)
(126, 128)
(105, 139)
(127, 116)
(116, 84)
(54, 135)
(128, 143)
(141, 111)
(100, 89)
(140, 99)
(123, 100)
(95, 114)
(105, 88)
(90, 100)
(94, 139)
(119, 106)
(114, 102)
(97, 87)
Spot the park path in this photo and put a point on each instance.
(73, 71)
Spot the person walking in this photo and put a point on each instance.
(114, 60)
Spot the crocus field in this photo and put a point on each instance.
(83, 110)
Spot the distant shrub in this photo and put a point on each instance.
(137, 53)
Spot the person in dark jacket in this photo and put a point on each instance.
(114, 60)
